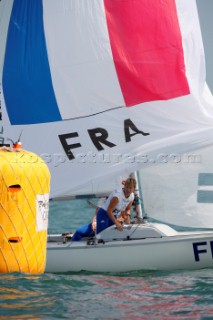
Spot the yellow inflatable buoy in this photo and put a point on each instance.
(24, 207)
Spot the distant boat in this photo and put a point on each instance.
(105, 88)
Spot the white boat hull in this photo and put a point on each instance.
(179, 250)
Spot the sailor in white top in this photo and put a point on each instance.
(117, 202)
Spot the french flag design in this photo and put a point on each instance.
(86, 57)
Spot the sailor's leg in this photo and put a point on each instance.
(84, 231)
(102, 220)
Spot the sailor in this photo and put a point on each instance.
(118, 203)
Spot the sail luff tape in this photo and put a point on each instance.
(24, 205)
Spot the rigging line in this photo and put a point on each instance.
(93, 114)
(135, 229)
(93, 205)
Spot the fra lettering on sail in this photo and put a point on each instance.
(99, 137)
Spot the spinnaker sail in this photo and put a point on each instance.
(102, 88)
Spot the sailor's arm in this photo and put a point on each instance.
(127, 211)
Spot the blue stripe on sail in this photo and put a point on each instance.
(27, 82)
(204, 196)
(205, 179)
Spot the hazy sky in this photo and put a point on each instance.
(205, 10)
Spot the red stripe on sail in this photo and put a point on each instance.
(147, 49)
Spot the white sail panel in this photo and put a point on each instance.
(149, 132)
(80, 57)
(194, 57)
(179, 189)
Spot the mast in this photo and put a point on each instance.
(138, 194)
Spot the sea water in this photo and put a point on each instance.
(85, 295)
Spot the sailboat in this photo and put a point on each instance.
(101, 89)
